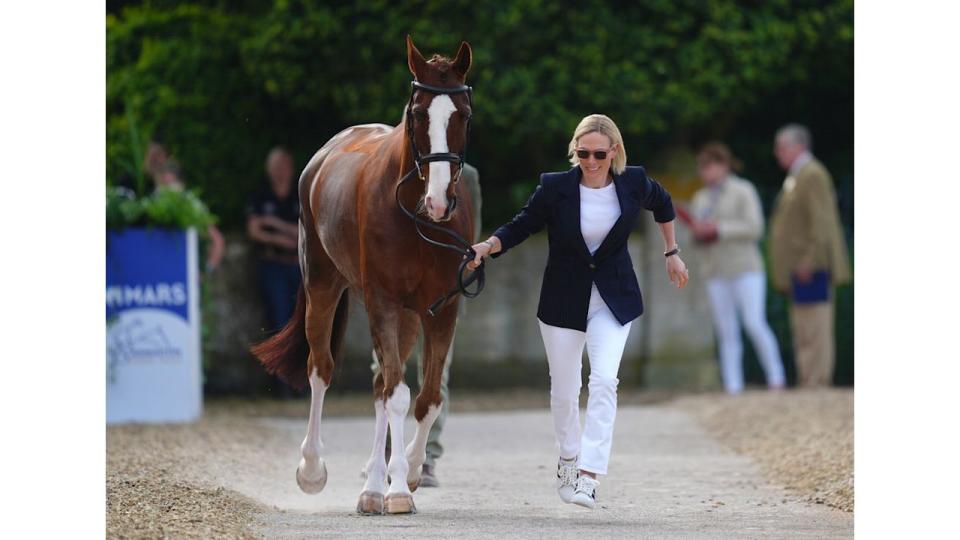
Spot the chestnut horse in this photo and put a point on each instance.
(354, 236)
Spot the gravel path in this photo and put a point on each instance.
(803, 439)
(232, 475)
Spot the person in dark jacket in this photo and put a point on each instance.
(273, 215)
(590, 294)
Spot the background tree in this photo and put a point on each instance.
(222, 84)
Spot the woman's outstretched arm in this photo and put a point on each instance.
(676, 270)
(529, 220)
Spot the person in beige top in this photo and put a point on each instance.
(808, 255)
(728, 223)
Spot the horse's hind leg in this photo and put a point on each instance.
(437, 340)
(375, 471)
(326, 307)
(312, 471)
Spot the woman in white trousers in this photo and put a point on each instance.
(728, 223)
(590, 294)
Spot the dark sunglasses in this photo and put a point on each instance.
(599, 154)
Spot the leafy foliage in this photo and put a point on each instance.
(166, 207)
(221, 85)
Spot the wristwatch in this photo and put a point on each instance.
(674, 251)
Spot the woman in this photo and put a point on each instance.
(590, 294)
(728, 223)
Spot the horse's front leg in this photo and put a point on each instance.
(437, 340)
(375, 472)
(385, 323)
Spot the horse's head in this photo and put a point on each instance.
(437, 118)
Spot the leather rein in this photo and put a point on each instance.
(464, 248)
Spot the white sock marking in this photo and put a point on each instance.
(417, 450)
(376, 469)
(397, 406)
(312, 445)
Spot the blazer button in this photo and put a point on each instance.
(593, 266)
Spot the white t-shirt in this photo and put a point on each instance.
(599, 210)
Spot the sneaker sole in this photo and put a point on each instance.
(584, 502)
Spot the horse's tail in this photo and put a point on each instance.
(285, 353)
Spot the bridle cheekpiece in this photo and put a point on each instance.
(452, 157)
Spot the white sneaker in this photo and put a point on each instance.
(585, 494)
(567, 471)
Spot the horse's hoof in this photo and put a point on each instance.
(370, 504)
(413, 485)
(312, 485)
(400, 503)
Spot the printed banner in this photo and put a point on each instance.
(153, 326)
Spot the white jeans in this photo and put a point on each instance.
(605, 338)
(744, 294)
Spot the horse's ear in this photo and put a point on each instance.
(464, 59)
(414, 59)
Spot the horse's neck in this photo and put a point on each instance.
(411, 192)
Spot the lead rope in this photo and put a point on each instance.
(464, 249)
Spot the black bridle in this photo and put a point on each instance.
(458, 158)
(465, 247)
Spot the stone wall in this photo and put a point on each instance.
(498, 341)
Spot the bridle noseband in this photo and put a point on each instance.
(465, 247)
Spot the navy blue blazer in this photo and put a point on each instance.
(571, 269)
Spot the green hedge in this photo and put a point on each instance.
(222, 82)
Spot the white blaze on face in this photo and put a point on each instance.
(439, 115)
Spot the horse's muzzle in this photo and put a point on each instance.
(447, 213)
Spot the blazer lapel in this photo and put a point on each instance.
(570, 212)
(628, 206)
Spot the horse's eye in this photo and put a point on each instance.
(420, 115)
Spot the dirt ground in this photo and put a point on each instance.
(801, 439)
(687, 466)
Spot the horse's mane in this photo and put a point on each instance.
(444, 61)
(442, 64)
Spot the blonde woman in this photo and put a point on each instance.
(590, 294)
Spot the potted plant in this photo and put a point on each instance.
(152, 302)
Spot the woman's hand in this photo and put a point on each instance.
(677, 271)
(705, 231)
(482, 250)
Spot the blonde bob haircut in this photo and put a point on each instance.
(603, 125)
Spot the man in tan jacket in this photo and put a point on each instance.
(808, 254)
